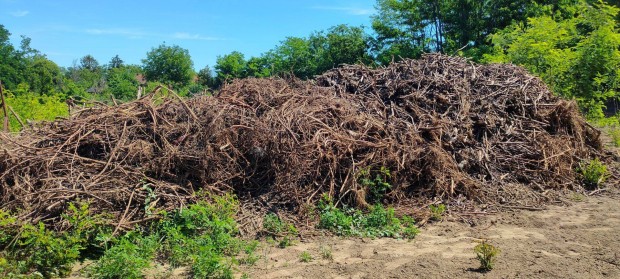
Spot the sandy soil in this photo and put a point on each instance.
(577, 241)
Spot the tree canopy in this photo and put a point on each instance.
(169, 64)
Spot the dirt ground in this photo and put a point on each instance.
(581, 240)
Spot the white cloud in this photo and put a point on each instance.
(20, 13)
(348, 10)
(188, 36)
(132, 33)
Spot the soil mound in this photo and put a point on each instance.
(443, 126)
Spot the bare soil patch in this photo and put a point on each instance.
(577, 241)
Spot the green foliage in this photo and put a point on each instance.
(229, 67)
(486, 254)
(578, 56)
(127, 258)
(171, 65)
(305, 257)
(377, 186)
(36, 107)
(274, 226)
(593, 173)
(206, 78)
(34, 249)
(437, 211)
(201, 236)
(279, 230)
(378, 222)
(122, 83)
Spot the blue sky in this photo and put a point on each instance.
(67, 30)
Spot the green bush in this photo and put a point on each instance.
(127, 258)
(377, 222)
(34, 249)
(593, 173)
(305, 257)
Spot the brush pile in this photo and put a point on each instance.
(443, 126)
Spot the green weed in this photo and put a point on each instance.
(305, 257)
(378, 185)
(377, 222)
(279, 230)
(127, 258)
(486, 254)
(594, 173)
(437, 211)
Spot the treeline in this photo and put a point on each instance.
(574, 45)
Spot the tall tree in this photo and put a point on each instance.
(206, 78)
(169, 64)
(88, 62)
(115, 62)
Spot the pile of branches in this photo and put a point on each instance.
(444, 127)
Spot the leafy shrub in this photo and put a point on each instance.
(273, 225)
(127, 258)
(35, 249)
(593, 173)
(486, 254)
(378, 222)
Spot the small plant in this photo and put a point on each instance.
(437, 211)
(250, 258)
(305, 257)
(594, 173)
(577, 197)
(486, 254)
(273, 225)
(377, 186)
(326, 253)
(280, 231)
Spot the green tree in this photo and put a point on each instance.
(88, 62)
(293, 56)
(115, 62)
(229, 67)
(122, 83)
(341, 44)
(578, 57)
(169, 64)
(206, 78)
(12, 63)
